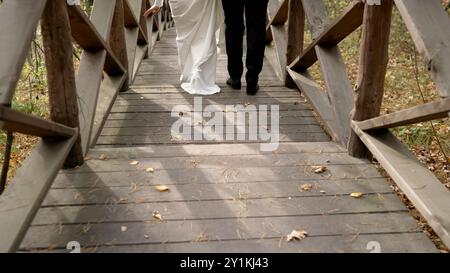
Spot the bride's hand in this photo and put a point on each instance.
(152, 11)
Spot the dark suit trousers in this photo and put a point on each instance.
(255, 12)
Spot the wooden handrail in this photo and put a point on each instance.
(16, 35)
(79, 101)
(87, 37)
(341, 28)
(428, 24)
(421, 113)
(19, 122)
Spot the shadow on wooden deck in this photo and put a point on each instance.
(223, 197)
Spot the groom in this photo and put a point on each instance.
(255, 12)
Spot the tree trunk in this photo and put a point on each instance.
(296, 32)
(60, 72)
(372, 68)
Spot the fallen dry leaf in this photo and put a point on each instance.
(162, 188)
(319, 169)
(177, 138)
(157, 215)
(150, 170)
(296, 235)
(195, 163)
(357, 194)
(87, 158)
(202, 237)
(103, 157)
(306, 187)
(123, 228)
(134, 188)
(134, 163)
(87, 228)
(323, 192)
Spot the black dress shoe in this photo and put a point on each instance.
(252, 89)
(235, 84)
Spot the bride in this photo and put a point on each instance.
(196, 23)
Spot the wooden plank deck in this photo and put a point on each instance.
(223, 197)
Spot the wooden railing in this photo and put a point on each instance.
(353, 118)
(115, 39)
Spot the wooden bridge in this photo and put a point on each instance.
(129, 185)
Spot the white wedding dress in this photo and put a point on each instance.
(196, 23)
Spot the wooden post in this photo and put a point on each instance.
(372, 69)
(296, 34)
(117, 39)
(143, 23)
(63, 100)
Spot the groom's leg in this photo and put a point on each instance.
(234, 33)
(255, 13)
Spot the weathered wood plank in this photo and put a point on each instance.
(117, 39)
(141, 52)
(130, 18)
(337, 31)
(133, 19)
(121, 140)
(184, 161)
(215, 150)
(340, 91)
(299, 174)
(20, 122)
(13, 47)
(126, 120)
(209, 192)
(318, 99)
(296, 35)
(317, 16)
(170, 82)
(221, 209)
(131, 36)
(147, 105)
(421, 113)
(91, 37)
(392, 243)
(144, 96)
(280, 45)
(220, 229)
(336, 79)
(109, 89)
(225, 98)
(21, 200)
(427, 22)
(90, 76)
(174, 91)
(143, 38)
(277, 15)
(135, 131)
(278, 12)
(88, 83)
(424, 190)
